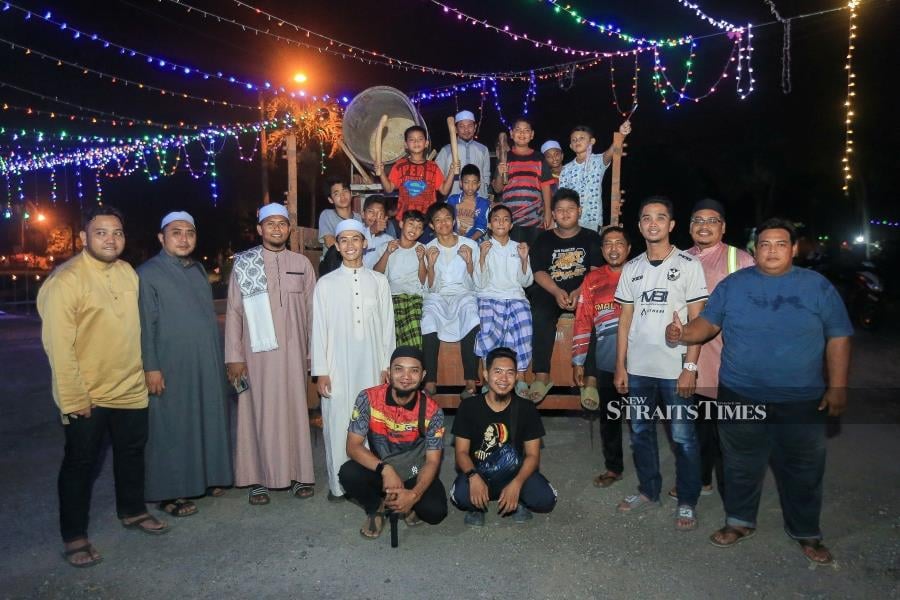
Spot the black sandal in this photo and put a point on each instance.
(136, 524)
(260, 492)
(371, 530)
(303, 490)
(179, 507)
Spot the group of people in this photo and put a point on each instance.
(138, 354)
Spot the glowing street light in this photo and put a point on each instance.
(41, 217)
(300, 78)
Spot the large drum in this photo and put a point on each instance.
(361, 122)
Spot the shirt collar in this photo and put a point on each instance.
(698, 251)
(97, 264)
(181, 262)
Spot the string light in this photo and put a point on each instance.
(53, 185)
(683, 96)
(719, 23)
(613, 31)
(851, 94)
(634, 86)
(99, 187)
(884, 222)
(745, 57)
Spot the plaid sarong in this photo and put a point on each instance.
(505, 323)
(408, 319)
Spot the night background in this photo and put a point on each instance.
(768, 154)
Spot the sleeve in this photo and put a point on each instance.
(714, 311)
(234, 323)
(583, 325)
(547, 177)
(148, 304)
(530, 423)
(318, 348)
(388, 334)
(624, 291)
(56, 303)
(595, 251)
(437, 174)
(309, 286)
(326, 226)
(833, 312)
(434, 436)
(477, 279)
(695, 286)
(359, 418)
(745, 259)
(485, 168)
(527, 278)
(565, 178)
(539, 255)
(395, 177)
(482, 206)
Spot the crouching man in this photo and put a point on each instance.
(405, 432)
(498, 449)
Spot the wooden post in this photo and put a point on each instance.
(263, 150)
(615, 196)
(292, 190)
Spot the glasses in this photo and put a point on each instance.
(709, 221)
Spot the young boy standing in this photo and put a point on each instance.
(416, 178)
(502, 305)
(340, 197)
(403, 263)
(471, 209)
(527, 188)
(553, 154)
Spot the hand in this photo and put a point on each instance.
(625, 128)
(478, 492)
(620, 380)
(420, 251)
(433, 254)
(522, 249)
(392, 247)
(485, 247)
(84, 412)
(509, 497)
(835, 399)
(236, 371)
(401, 500)
(574, 295)
(323, 386)
(384, 377)
(466, 253)
(390, 480)
(686, 384)
(156, 384)
(578, 375)
(380, 224)
(548, 221)
(502, 168)
(379, 169)
(674, 330)
(562, 298)
(455, 168)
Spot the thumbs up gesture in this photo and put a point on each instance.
(674, 329)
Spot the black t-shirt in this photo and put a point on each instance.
(487, 430)
(566, 260)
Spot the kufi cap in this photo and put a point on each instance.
(178, 215)
(464, 115)
(710, 204)
(349, 225)
(549, 145)
(272, 210)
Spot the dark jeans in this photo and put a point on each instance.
(537, 494)
(431, 345)
(653, 392)
(710, 452)
(610, 428)
(525, 234)
(365, 487)
(545, 312)
(84, 436)
(792, 439)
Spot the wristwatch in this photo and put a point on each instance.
(470, 473)
(379, 468)
(689, 366)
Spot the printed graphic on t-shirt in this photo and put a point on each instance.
(566, 263)
(414, 187)
(654, 301)
(496, 435)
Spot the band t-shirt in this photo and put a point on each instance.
(487, 430)
(565, 260)
(416, 183)
(658, 291)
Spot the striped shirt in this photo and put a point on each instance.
(527, 175)
(390, 427)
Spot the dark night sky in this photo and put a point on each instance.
(768, 154)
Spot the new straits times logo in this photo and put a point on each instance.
(637, 408)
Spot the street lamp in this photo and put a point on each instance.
(300, 78)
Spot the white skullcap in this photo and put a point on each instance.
(464, 115)
(272, 210)
(178, 215)
(549, 145)
(349, 225)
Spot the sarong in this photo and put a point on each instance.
(505, 323)
(408, 319)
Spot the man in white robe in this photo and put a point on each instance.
(352, 341)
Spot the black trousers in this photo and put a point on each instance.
(710, 450)
(431, 345)
(84, 437)
(525, 234)
(545, 312)
(364, 486)
(610, 428)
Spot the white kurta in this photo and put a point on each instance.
(502, 277)
(450, 308)
(352, 342)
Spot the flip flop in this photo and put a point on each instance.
(136, 524)
(816, 545)
(179, 507)
(522, 389)
(635, 504)
(687, 513)
(590, 398)
(302, 490)
(539, 391)
(89, 548)
(740, 536)
(605, 480)
(370, 529)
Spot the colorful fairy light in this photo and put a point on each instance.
(613, 31)
(53, 185)
(851, 94)
(634, 86)
(99, 187)
(718, 23)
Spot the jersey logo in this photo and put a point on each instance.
(414, 187)
(673, 274)
(657, 296)
(638, 278)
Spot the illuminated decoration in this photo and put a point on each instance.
(318, 121)
(661, 77)
(785, 48)
(122, 80)
(745, 64)
(851, 94)
(79, 186)
(612, 30)
(884, 222)
(634, 87)
(99, 187)
(530, 95)
(718, 23)
(53, 185)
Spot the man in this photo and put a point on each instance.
(267, 325)
(597, 316)
(341, 198)
(189, 444)
(91, 333)
(652, 286)
(718, 261)
(780, 326)
(388, 421)
(560, 258)
(498, 448)
(352, 341)
(470, 153)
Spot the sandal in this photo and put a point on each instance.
(635, 504)
(467, 394)
(728, 530)
(179, 507)
(810, 547)
(522, 389)
(86, 548)
(373, 526)
(215, 492)
(412, 519)
(303, 490)
(590, 398)
(259, 495)
(685, 513)
(605, 480)
(136, 524)
(539, 390)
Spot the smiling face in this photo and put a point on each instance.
(179, 238)
(405, 375)
(655, 223)
(566, 214)
(501, 223)
(275, 232)
(416, 142)
(442, 222)
(521, 134)
(774, 251)
(104, 238)
(373, 213)
(554, 158)
(465, 129)
(350, 245)
(615, 249)
(501, 376)
(411, 230)
(707, 228)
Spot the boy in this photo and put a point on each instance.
(502, 305)
(471, 209)
(527, 188)
(416, 178)
(375, 221)
(553, 154)
(403, 263)
(340, 197)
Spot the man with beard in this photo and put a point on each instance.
(396, 419)
(91, 333)
(267, 327)
(471, 152)
(597, 315)
(353, 337)
(188, 449)
(498, 449)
